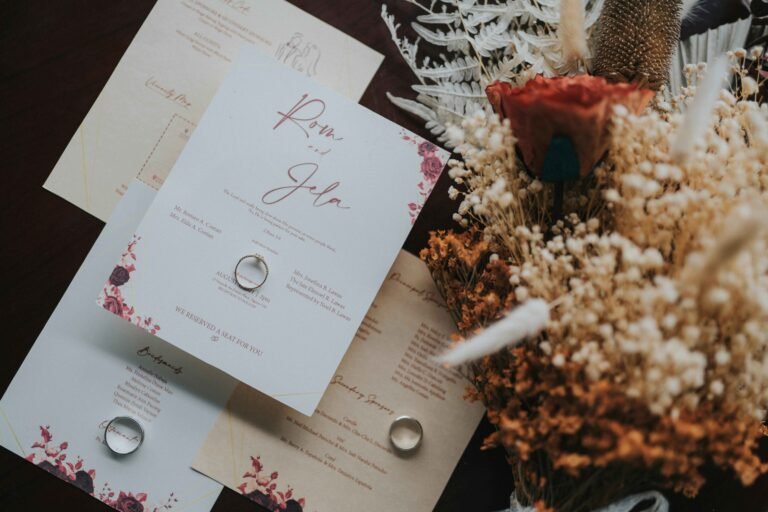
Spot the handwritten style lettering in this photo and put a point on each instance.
(305, 114)
(368, 399)
(301, 176)
(167, 92)
(135, 438)
(146, 352)
(425, 295)
(338, 380)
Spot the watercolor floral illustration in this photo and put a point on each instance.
(260, 486)
(53, 458)
(429, 171)
(111, 297)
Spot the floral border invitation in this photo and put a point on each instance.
(341, 460)
(324, 190)
(100, 367)
(163, 84)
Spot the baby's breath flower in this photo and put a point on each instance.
(618, 263)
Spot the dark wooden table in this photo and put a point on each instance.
(55, 57)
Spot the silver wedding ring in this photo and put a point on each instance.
(245, 283)
(123, 435)
(406, 434)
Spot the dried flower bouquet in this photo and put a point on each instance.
(620, 339)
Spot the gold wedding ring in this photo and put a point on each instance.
(248, 284)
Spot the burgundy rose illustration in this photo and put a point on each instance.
(113, 305)
(120, 276)
(431, 167)
(52, 469)
(427, 148)
(84, 481)
(261, 499)
(293, 506)
(111, 296)
(128, 503)
(52, 458)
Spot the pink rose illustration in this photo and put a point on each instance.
(431, 167)
(113, 305)
(427, 148)
(261, 487)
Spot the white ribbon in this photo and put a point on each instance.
(659, 504)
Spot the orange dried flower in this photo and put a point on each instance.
(561, 429)
(652, 366)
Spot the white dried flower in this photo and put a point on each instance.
(659, 270)
(749, 86)
(524, 322)
(722, 357)
(452, 89)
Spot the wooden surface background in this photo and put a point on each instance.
(55, 57)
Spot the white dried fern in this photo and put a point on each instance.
(481, 41)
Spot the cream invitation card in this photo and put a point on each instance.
(341, 459)
(323, 189)
(88, 367)
(142, 119)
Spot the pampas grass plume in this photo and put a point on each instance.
(572, 33)
(697, 119)
(523, 322)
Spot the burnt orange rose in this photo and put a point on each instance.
(567, 113)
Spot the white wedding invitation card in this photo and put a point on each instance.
(88, 367)
(341, 459)
(153, 101)
(324, 190)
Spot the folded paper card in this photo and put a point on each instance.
(88, 367)
(341, 459)
(164, 82)
(323, 189)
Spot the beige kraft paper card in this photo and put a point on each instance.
(341, 459)
(142, 119)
